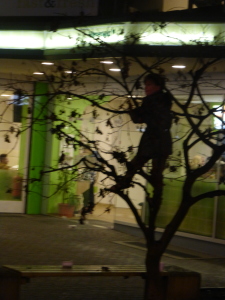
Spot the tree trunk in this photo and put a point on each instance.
(154, 289)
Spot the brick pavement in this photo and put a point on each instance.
(40, 240)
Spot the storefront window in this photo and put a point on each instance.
(11, 162)
(206, 217)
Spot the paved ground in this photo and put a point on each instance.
(49, 240)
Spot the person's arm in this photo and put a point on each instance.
(136, 115)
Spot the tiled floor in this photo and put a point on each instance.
(115, 213)
(27, 239)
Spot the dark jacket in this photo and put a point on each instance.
(155, 111)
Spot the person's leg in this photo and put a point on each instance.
(132, 167)
(158, 166)
(83, 215)
(148, 148)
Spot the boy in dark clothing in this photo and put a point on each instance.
(156, 143)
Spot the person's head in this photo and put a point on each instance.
(4, 159)
(153, 83)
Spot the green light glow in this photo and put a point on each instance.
(21, 39)
(62, 39)
(69, 38)
(113, 39)
(172, 34)
(176, 39)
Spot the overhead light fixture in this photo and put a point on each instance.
(115, 70)
(134, 96)
(69, 72)
(48, 63)
(5, 95)
(178, 66)
(108, 62)
(38, 73)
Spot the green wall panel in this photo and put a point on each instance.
(37, 154)
(171, 199)
(199, 219)
(220, 224)
(54, 196)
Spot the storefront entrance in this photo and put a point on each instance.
(13, 153)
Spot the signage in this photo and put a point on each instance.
(49, 8)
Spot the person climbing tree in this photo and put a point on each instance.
(156, 143)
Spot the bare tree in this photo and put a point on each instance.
(107, 160)
(106, 111)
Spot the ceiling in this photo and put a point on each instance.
(23, 68)
(28, 67)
